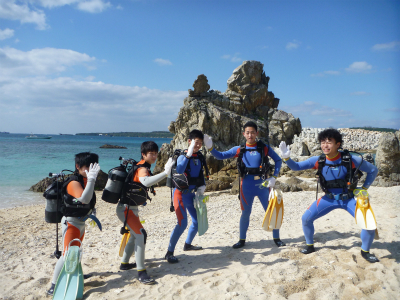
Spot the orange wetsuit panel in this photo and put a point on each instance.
(141, 172)
(133, 221)
(72, 233)
(75, 189)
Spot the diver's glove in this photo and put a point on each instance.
(269, 183)
(191, 148)
(208, 141)
(168, 166)
(94, 169)
(285, 151)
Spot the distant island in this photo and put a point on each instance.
(375, 129)
(152, 134)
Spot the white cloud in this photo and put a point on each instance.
(293, 45)
(331, 111)
(359, 67)
(10, 10)
(37, 62)
(360, 93)
(392, 46)
(310, 108)
(324, 73)
(27, 11)
(163, 62)
(93, 6)
(6, 33)
(52, 105)
(232, 58)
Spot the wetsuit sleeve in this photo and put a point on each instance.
(181, 164)
(148, 181)
(302, 165)
(277, 160)
(86, 194)
(367, 167)
(225, 155)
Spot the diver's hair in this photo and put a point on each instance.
(196, 134)
(148, 146)
(250, 124)
(84, 159)
(330, 133)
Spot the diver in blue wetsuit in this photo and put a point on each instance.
(250, 158)
(189, 162)
(334, 177)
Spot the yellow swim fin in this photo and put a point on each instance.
(364, 215)
(274, 214)
(125, 239)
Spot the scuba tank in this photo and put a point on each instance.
(53, 194)
(52, 212)
(115, 183)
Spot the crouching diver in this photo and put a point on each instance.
(79, 200)
(190, 163)
(253, 168)
(135, 194)
(337, 173)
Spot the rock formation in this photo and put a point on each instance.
(222, 116)
(388, 160)
(42, 185)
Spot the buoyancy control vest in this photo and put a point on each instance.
(184, 180)
(264, 166)
(135, 193)
(349, 182)
(73, 208)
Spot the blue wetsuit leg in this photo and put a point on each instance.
(193, 229)
(181, 203)
(367, 236)
(249, 189)
(325, 205)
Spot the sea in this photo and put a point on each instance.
(24, 162)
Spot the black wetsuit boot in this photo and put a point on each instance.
(239, 244)
(369, 257)
(279, 243)
(188, 247)
(145, 278)
(308, 249)
(50, 291)
(171, 258)
(127, 266)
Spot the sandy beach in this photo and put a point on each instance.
(260, 270)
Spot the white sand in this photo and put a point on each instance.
(260, 270)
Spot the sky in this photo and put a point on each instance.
(70, 66)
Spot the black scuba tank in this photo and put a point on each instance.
(114, 185)
(52, 213)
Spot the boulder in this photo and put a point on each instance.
(108, 146)
(42, 185)
(388, 160)
(200, 86)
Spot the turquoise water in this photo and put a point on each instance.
(24, 162)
